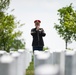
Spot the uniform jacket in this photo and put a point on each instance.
(38, 37)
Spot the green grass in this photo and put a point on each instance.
(30, 70)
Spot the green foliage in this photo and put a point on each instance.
(18, 44)
(67, 27)
(8, 25)
(4, 4)
(45, 48)
(9, 32)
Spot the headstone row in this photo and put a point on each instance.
(55, 62)
(15, 62)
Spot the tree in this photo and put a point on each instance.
(8, 34)
(67, 27)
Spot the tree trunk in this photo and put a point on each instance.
(66, 43)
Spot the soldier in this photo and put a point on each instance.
(38, 34)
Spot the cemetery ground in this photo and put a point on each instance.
(30, 70)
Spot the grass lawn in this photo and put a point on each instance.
(30, 70)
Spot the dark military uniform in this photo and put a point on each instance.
(38, 42)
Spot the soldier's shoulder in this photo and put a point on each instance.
(33, 28)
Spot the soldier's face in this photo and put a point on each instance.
(37, 24)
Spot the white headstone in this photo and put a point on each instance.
(7, 65)
(69, 62)
(47, 70)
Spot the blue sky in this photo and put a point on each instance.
(46, 10)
